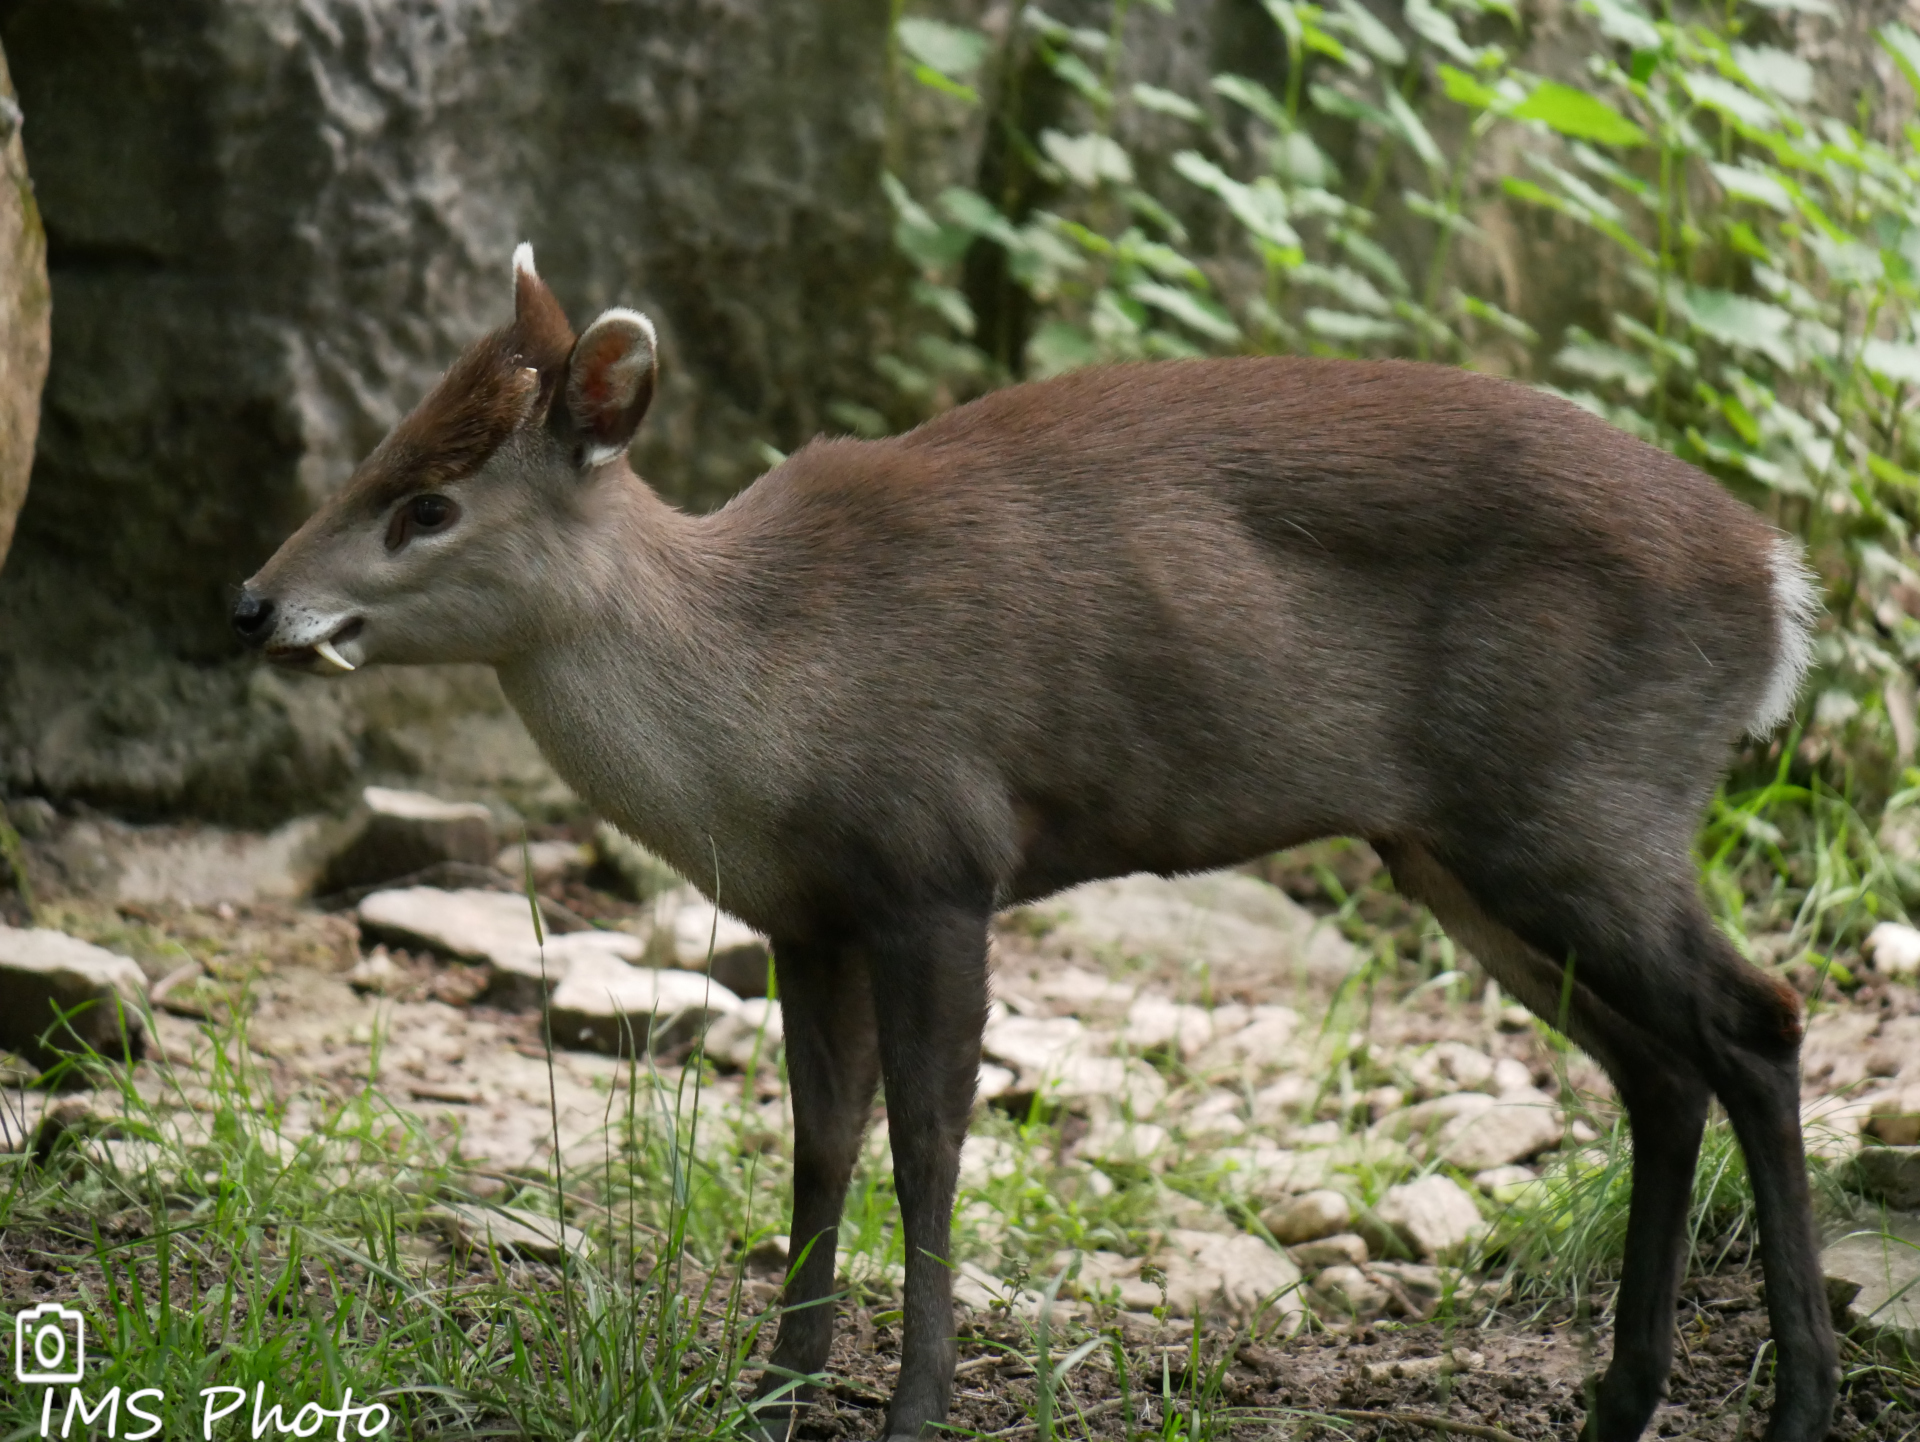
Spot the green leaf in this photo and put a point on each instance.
(1438, 29)
(1340, 325)
(1370, 35)
(1166, 102)
(949, 304)
(1088, 159)
(1896, 360)
(934, 80)
(1528, 191)
(1413, 131)
(954, 51)
(1596, 360)
(1786, 75)
(1511, 324)
(1260, 207)
(1057, 347)
(1579, 115)
(1463, 89)
(1204, 315)
(1742, 183)
(1439, 214)
(1729, 99)
(1624, 22)
(973, 211)
(1803, 7)
(1329, 101)
(1904, 46)
(1077, 73)
(1375, 257)
(1747, 241)
(922, 239)
(1253, 96)
(1349, 286)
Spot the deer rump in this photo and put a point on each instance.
(1160, 617)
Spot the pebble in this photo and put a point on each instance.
(1433, 1215)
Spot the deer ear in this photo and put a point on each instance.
(541, 336)
(610, 382)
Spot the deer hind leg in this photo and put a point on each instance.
(1665, 1003)
(832, 1068)
(1666, 1101)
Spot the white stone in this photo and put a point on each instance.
(1264, 1041)
(471, 925)
(1116, 1140)
(1511, 1075)
(995, 1081)
(1238, 1274)
(1224, 918)
(984, 1160)
(1451, 1066)
(550, 860)
(749, 1035)
(1894, 949)
(1308, 1217)
(1153, 1022)
(510, 1229)
(1342, 1248)
(701, 931)
(1037, 1045)
(1474, 1131)
(1343, 1292)
(606, 1005)
(1267, 1173)
(1877, 1273)
(1279, 1105)
(1434, 1215)
(101, 991)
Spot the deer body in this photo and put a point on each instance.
(1159, 618)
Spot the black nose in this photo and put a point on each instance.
(252, 617)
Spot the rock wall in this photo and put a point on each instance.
(23, 313)
(271, 223)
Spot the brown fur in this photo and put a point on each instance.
(1149, 618)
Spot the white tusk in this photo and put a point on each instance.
(326, 652)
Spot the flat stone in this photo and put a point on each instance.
(1037, 1045)
(398, 833)
(1116, 1140)
(510, 1229)
(521, 978)
(549, 860)
(45, 974)
(626, 868)
(1894, 949)
(1473, 1131)
(1889, 1174)
(705, 938)
(1108, 1277)
(1343, 1292)
(1264, 1042)
(1308, 1217)
(1154, 1023)
(1433, 1215)
(1895, 1118)
(1348, 1248)
(1451, 1066)
(1238, 1274)
(1874, 1275)
(995, 1081)
(605, 1005)
(470, 925)
(1266, 1174)
(1419, 1286)
(1226, 919)
(750, 1035)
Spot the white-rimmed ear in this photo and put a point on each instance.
(523, 263)
(610, 382)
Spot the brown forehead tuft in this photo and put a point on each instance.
(465, 418)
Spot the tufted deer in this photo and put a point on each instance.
(1158, 617)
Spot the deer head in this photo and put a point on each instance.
(457, 539)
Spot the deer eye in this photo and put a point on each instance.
(421, 515)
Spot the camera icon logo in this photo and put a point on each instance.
(49, 1344)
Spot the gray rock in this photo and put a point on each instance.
(605, 1005)
(1433, 1215)
(1343, 1292)
(1308, 1217)
(307, 208)
(750, 1035)
(1894, 949)
(524, 977)
(1873, 1276)
(1451, 1066)
(1348, 1248)
(705, 938)
(45, 975)
(397, 833)
(626, 868)
(1238, 1274)
(23, 317)
(549, 860)
(494, 927)
(1233, 921)
(1889, 1174)
(1474, 1132)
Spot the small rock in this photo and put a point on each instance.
(1108, 1277)
(603, 1004)
(548, 860)
(1433, 1215)
(1895, 1118)
(1894, 949)
(1473, 1131)
(1876, 1277)
(1891, 1174)
(1280, 1104)
(1239, 1273)
(750, 1035)
(984, 1160)
(1450, 1066)
(1118, 1141)
(468, 925)
(1264, 1041)
(398, 833)
(705, 938)
(378, 974)
(1384, 1101)
(1505, 1182)
(1153, 1023)
(1419, 1287)
(1343, 1248)
(995, 1082)
(1422, 1369)
(522, 978)
(46, 974)
(1036, 1045)
(974, 1286)
(1308, 1217)
(1268, 1174)
(510, 1229)
(769, 1254)
(1511, 1075)
(626, 868)
(1345, 1292)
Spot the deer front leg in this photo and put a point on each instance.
(832, 1066)
(929, 973)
